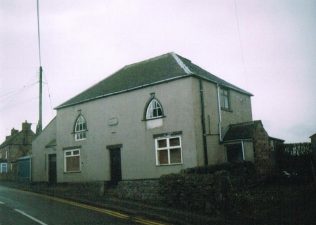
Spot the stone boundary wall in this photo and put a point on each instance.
(139, 190)
(88, 188)
(262, 151)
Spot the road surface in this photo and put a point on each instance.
(26, 208)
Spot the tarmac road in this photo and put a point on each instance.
(26, 208)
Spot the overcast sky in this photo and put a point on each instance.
(265, 47)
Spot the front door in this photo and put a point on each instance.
(115, 165)
(52, 173)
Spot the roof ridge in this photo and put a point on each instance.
(181, 64)
(145, 61)
(10, 139)
(242, 123)
(245, 123)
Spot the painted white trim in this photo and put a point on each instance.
(65, 156)
(181, 64)
(168, 148)
(243, 150)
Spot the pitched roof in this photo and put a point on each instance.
(313, 135)
(18, 138)
(240, 131)
(153, 71)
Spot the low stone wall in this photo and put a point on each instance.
(88, 188)
(139, 190)
(8, 176)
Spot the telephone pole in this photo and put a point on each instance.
(39, 124)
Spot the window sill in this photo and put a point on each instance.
(227, 110)
(81, 139)
(71, 172)
(160, 117)
(172, 164)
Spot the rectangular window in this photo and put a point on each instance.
(168, 150)
(3, 167)
(225, 101)
(80, 135)
(72, 160)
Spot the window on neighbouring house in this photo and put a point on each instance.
(3, 167)
(80, 128)
(154, 109)
(72, 160)
(225, 101)
(235, 152)
(168, 150)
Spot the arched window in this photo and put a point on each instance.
(154, 109)
(80, 128)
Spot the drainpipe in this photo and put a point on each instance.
(203, 123)
(243, 150)
(219, 115)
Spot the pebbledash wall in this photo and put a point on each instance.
(181, 103)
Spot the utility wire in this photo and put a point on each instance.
(38, 35)
(19, 103)
(239, 37)
(49, 95)
(13, 92)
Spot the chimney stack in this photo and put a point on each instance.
(14, 131)
(26, 126)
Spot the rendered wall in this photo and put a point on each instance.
(248, 151)
(138, 148)
(240, 112)
(40, 152)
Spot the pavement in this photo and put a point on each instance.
(160, 213)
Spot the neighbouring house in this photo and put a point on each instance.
(150, 118)
(16, 145)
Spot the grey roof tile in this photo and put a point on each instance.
(149, 72)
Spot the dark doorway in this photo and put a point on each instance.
(52, 166)
(115, 165)
(234, 152)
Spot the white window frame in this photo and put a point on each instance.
(168, 148)
(71, 155)
(80, 129)
(152, 106)
(6, 167)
